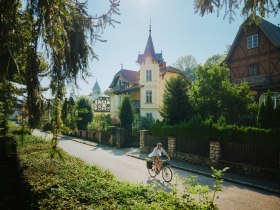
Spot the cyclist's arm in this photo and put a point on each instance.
(165, 153)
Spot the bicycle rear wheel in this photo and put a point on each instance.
(167, 174)
(152, 171)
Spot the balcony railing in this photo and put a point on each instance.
(261, 80)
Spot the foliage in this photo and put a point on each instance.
(187, 64)
(47, 126)
(65, 112)
(267, 115)
(62, 29)
(268, 112)
(57, 123)
(203, 193)
(99, 123)
(212, 95)
(85, 113)
(176, 107)
(276, 117)
(7, 103)
(146, 123)
(249, 8)
(260, 115)
(214, 60)
(107, 134)
(126, 114)
(198, 129)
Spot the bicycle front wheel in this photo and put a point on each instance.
(152, 171)
(167, 174)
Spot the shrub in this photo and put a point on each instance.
(198, 129)
(47, 126)
(126, 114)
(146, 123)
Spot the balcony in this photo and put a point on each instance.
(261, 80)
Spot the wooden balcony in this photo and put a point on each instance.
(260, 80)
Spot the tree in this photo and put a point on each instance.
(260, 115)
(85, 113)
(176, 107)
(212, 94)
(214, 60)
(63, 30)
(187, 64)
(73, 114)
(126, 114)
(248, 7)
(66, 112)
(276, 117)
(268, 112)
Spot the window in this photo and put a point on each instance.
(148, 96)
(149, 75)
(149, 115)
(253, 70)
(252, 41)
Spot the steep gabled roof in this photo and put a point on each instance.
(270, 30)
(127, 75)
(149, 51)
(166, 69)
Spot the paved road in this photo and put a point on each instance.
(127, 168)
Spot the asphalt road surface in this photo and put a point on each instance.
(124, 167)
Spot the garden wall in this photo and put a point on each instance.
(249, 159)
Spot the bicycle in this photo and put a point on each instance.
(165, 170)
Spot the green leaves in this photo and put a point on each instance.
(176, 107)
(126, 114)
(85, 113)
(212, 95)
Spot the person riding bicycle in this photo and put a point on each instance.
(156, 154)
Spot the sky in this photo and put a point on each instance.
(176, 30)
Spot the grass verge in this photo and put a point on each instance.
(70, 183)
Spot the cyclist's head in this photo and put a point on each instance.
(159, 145)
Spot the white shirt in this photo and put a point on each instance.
(157, 151)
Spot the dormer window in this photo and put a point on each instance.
(253, 41)
(149, 75)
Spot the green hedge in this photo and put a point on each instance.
(206, 130)
(69, 183)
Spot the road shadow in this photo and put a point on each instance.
(160, 185)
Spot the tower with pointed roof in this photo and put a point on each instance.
(149, 80)
(146, 86)
(96, 90)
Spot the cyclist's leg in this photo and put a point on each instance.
(160, 162)
(156, 160)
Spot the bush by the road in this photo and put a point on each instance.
(69, 183)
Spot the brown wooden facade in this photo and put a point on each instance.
(265, 58)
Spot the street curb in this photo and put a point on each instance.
(224, 178)
(79, 141)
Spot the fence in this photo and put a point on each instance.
(193, 147)
(251, 154)
(248, 159)
(151, 141)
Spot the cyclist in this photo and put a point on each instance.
(156, 154)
